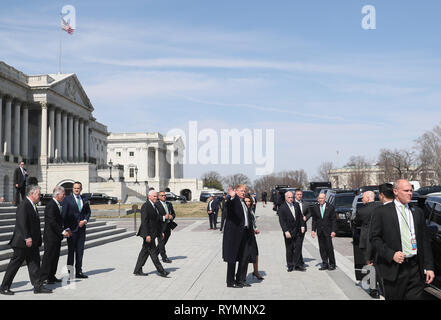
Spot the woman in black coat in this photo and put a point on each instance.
(254, 251)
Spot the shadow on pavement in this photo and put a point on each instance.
(98, 271)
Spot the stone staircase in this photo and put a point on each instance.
(97, 233)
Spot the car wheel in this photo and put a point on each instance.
(109, 201)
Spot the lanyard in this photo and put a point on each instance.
(405, 220)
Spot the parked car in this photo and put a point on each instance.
(429, 189)
(206, 194)
(342, 201)
(100, 198)
(309, 196)
(44, 199)
(170, 196)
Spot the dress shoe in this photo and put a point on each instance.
(164, 274)
(324, 267)
(234, 285)
(42, 289)
(374, 294)
(81, 275)
(300, 268)
(140, 273)
(6, 292)
(243, 283)
(166, 260)
(53, 280)
(290, 269)
(331, 268)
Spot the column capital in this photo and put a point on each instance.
(43, 104)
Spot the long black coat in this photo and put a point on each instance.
(385, 237)
(234, 229)
(53, 223)
(151, 222)
(363, 219)
(327, 224)
(27, 225)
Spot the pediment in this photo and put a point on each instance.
(71, 88)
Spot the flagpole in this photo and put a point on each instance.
(59, 57)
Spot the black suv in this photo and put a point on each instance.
(342, 201)
(426, 190)
(100, 198)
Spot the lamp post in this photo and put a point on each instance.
(110, 167)
(136, 174)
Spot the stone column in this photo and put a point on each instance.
(157, 163)
(64, 148)
(70, 139)
(76, 133)
(7, 149)
(172, 163)
(51, 133)
(1, 123)
(43, 152)
(58, 135)
(86, 140)
(81, 146)
(17, 109)
(25, 132)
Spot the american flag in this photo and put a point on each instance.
(66, 26)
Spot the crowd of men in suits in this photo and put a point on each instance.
(64, 217)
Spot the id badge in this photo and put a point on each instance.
(414, 244)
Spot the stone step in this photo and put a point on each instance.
(10, 228)
(8, 222)
(14, 209)
(8, 235)
(97, 240)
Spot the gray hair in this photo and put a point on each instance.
(152, 192)
(57, 190)
(287, 194)
(32, 189)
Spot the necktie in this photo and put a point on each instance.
(79, 203)
(36, 209)
(291, 207)
(405, 233)
(165, 207)
(322, 211)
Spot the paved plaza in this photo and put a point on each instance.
(197, 271)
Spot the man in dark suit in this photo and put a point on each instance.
(323, 223)
(293, 225)
(362, 220)
(52, 236)
(76, 214)
(152, 227)
(399, 236)
(25, 242)
(304, 209)
(166, 210)
(236, 237)
(212, 208)
(20, 176)
(223, 209)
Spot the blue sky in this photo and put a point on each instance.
(303, 68)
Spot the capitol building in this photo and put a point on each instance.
(47, 121)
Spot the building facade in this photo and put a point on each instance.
(47, 121)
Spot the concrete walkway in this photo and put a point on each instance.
(198, 272)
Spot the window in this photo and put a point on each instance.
(118, 153)
(131, 153)
(131, 172)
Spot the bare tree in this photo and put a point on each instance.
(429, 145)
(323, 171)
(236, 179)
(397, 164)
(359, 176)
(212, 179)
(293, 178)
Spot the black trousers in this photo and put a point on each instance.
(408, 285)
(243, 258)
(326, 249)
(49, 263)
(32, 258)
(163, 242)
(224, 215)
(75, 245)
(148, 249)
(293, 248)
(302, 238)
(212, 220)
(20, 191)
(215, 219)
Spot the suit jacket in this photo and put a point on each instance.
(234, 229)
(306, 212)
(385, 237)
(214, 205)
(27, 225)
(71, 215)
(162, 212)
(290, 222)
(363, 220)
(326, 224)
(19, 178)
(152, 223)
(53, 223)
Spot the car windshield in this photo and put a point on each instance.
(308, 195)
(344, 201)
